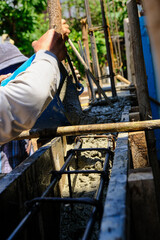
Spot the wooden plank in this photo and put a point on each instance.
(134, 116)
(138, 145)
(139, 150)
(129, 52)
(58, 160)
(142, 88)
(134, 109)
(143, 207)
(140, 71)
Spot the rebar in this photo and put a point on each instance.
(35, 203)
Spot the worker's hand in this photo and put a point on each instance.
(65, 29)
(3, 77)
(53, 42)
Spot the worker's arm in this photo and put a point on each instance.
(23, 99)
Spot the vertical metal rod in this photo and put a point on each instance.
(109, 59)
(84, 56)
(70, 186)
(35, 209)
(96, 68)
(91, 221)
(69, 183)
(72, 70)
(90, 73)
(89, 79)
(76, 160)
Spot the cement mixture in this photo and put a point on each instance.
(74, 219)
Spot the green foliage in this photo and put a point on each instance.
(26, 20)
(20, 19)
(75, 36)
(74, 10)
(117, 11)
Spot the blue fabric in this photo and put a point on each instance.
(13, 152)
(54, 115)
(22, 68)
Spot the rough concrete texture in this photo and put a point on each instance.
(114, 217)
(73, 222)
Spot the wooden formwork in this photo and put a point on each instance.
(130, 209)
(27, 181)
(130, 200)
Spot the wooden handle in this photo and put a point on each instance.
(55, 17)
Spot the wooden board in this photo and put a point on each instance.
(25, 182)
(138, 148)
(143, 206)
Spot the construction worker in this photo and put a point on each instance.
(14, 152)
(23, 99)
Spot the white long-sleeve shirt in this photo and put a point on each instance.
(23, 99)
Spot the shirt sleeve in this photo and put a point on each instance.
(23, 99)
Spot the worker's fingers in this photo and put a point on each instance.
(3, 77)
(34, 43)
(63, 21)
(65, 28)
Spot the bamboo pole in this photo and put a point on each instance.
(95, 62)
(86, 57)
(110, 39)
(89, 72)
(91, 91)
(55, 17)
(91, 129)
(109, 58)
(122, 79)
(85, 38)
